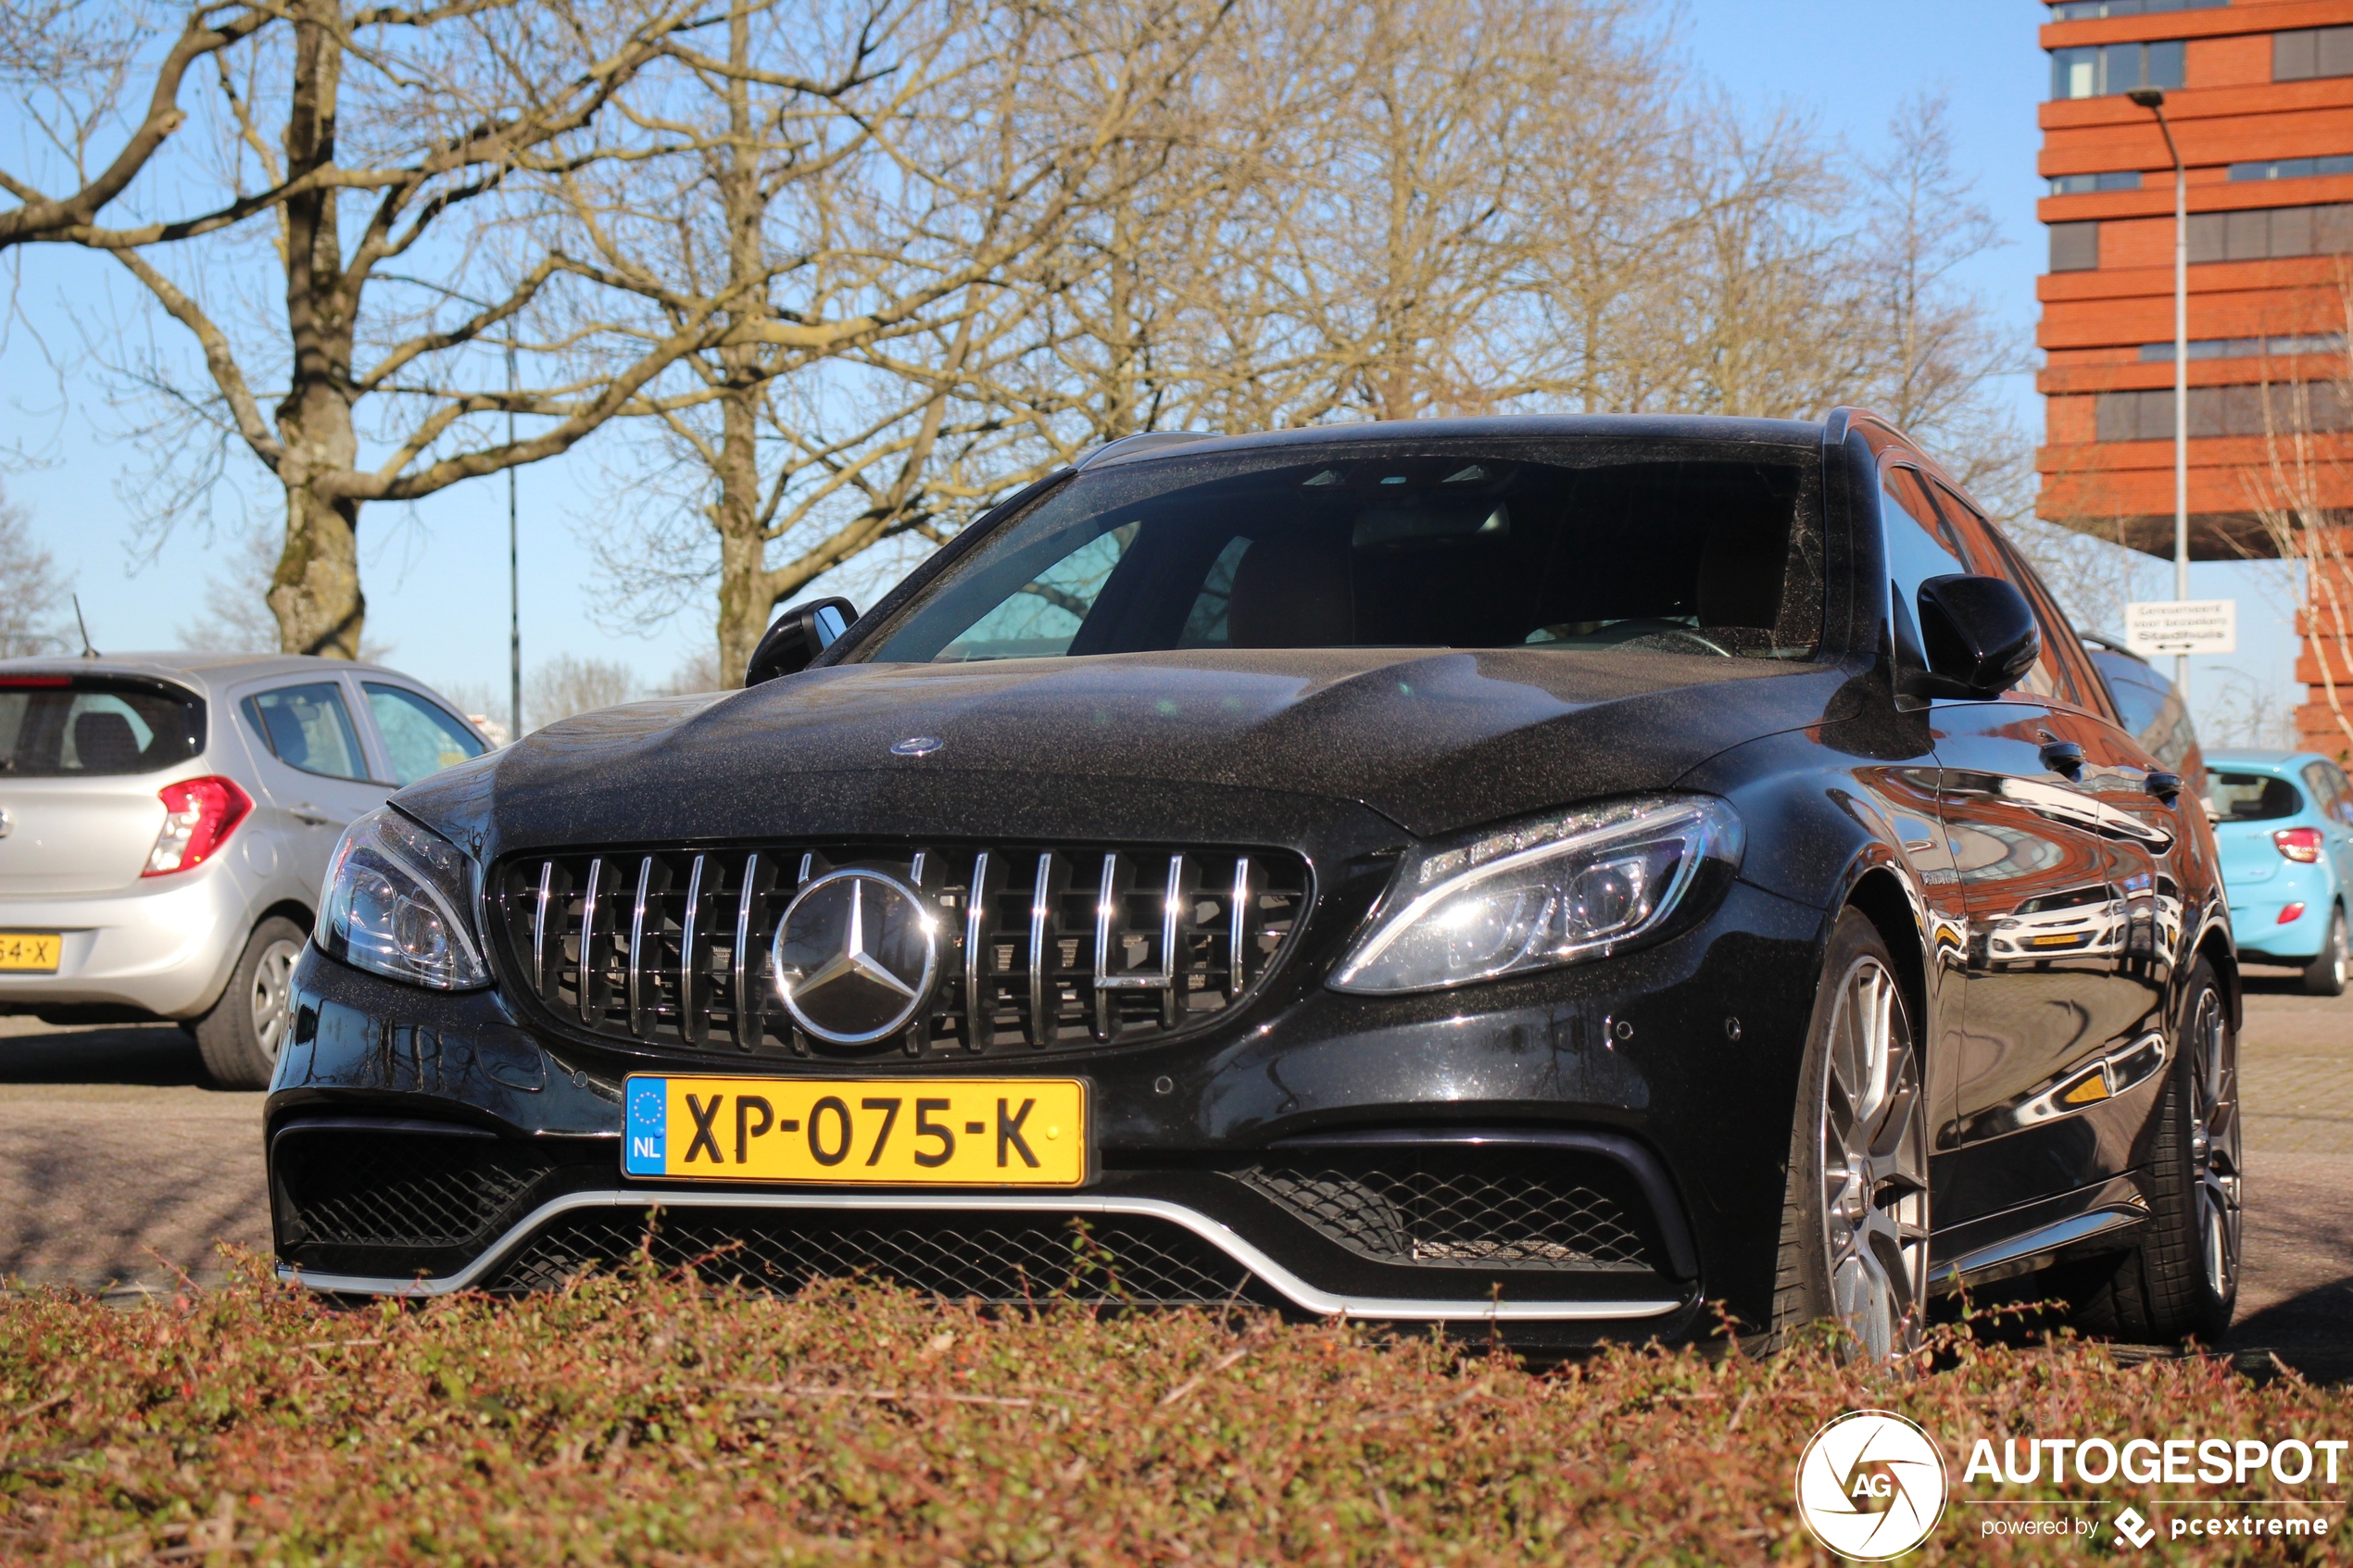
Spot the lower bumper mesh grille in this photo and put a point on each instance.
(349, 1187)
(1000, 1259)
(1503, 1208)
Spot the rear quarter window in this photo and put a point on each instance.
(2252, 797)
(70, 726)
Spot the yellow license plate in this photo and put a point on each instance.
(30, 949)
(896, 1132)
(2064, 940)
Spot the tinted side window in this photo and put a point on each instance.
(2053, 677)
(418, 737)
(310, 728)
(1921, 544)
(2340, 791)
(2326, 799)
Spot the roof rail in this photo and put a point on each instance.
(1136, 446)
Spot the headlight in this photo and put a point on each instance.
(1574, 885)
(396, 901)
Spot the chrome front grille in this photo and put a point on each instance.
(1040, 946)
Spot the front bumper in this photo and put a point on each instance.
(1237, 1159)
(164, 945)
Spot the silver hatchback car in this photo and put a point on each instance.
(166, 820)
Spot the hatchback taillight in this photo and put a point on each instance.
(199, 815)
(2302, 845)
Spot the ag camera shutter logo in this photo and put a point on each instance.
(1871, 1486)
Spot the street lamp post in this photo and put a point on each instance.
(514, 553)
(2153, 100)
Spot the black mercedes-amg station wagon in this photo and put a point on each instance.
(1571, 875)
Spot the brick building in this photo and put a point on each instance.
(2259, 93)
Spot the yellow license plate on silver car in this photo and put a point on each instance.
(29, 951)
(895, 1131)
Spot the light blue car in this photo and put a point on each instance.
(2284, 822)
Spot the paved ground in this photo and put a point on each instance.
(118, 1168)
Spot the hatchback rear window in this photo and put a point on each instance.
(2253, 797)
(1706, 549)
(73, 726)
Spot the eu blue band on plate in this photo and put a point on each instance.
(648, 1115)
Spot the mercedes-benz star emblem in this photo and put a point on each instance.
(855, 956)
(916, 746)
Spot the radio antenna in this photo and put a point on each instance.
(87, 651)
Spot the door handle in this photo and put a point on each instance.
(2063, 757)
(303, 812)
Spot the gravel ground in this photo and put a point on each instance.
(118, 1168)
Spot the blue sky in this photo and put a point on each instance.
(435, 573)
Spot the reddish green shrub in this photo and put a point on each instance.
(656, 1422)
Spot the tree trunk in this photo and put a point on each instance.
(315, 592)
(745, 591)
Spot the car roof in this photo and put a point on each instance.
(2263, 761)
(202, 670)
(1806, 433)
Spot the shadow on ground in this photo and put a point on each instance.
(158, 1054)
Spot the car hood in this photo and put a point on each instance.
(1431, 741)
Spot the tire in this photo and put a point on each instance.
(2181, 1281)
(2325, 975)
(239, 1038)
(1854, 1223)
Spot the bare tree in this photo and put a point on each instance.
(345, 143)
(568, 684)
(866, 193)
(33, 596)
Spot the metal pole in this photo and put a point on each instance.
(514, 574)
(2181, 401)
(2153, 100)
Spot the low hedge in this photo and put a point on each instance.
(655, 1421)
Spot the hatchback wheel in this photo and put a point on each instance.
(241, 1036)
(1854, 1221)
(2183, 1281)
(2325, 975)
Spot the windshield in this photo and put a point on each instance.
(1694, 547)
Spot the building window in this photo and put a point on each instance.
(2312, 51)
(2075, 247)
(2220, 411)
(2246, 347)
(2092, 10)
(2268, 232)
(2293, 167)
(2082, 185)
(2097, 71)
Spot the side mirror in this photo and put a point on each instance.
(798, 635)
(1979, 634)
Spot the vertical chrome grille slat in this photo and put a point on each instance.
(694, 955)
(593, 947)
(668, 948)
(1172, 925)
(645, 946)
(980, 1024)
(1238, 929)
(1111, 890)
(1041, 1023)
(749, 991)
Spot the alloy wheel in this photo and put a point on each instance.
(1873, 1133)
(2214, 1142)
(273, 994)
(2337, 956)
